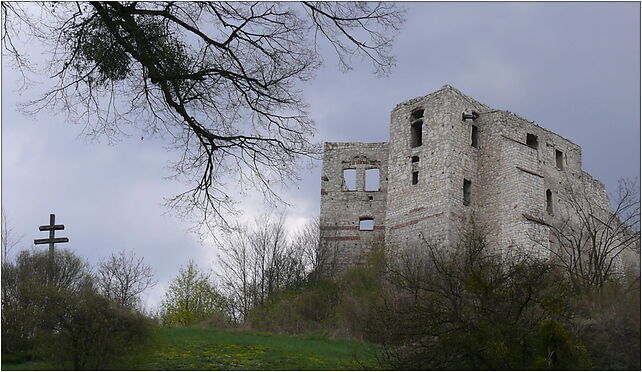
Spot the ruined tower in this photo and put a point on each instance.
(449, 158)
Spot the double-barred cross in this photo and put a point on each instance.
(52, 227)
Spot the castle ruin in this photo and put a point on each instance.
(450, 158)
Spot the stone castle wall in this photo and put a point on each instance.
(513, 172)
(342, 209)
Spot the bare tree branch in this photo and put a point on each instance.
(220, 80)
(591, 240)
(122, 277)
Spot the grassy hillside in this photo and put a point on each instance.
(215, 349)
(207, 349)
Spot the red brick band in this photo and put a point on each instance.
(340, 238)
(379, 227)
(339, 227)
(412, 222)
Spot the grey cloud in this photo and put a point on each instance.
(573, 68)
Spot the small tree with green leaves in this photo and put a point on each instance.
(191, 298)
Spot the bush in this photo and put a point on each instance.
(30, 304)
(340, 307)
(469, 308)
(65, 322)
(608, 323)
(95, 334)
(309, 309)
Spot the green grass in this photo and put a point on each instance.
(215, 349)
(25, 366)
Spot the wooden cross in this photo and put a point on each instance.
(52, 227)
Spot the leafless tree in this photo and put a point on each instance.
(320, 258)
(9, 239)
(70, 272)
(123, 277)
(220, 80)
(261, 258)
(590, 238)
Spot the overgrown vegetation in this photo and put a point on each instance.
(470, 308)
(425, 306)
(465, 307)
(65, 322)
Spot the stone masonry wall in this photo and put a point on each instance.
(342, 209)
(516, 170)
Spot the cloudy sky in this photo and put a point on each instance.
(573, 68)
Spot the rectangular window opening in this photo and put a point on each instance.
(350, 179)
(415, 133)
(466, 192)
(372, 179)
(531, 141)
(559, 159)
(366, 224)
(549, 202)
(474, 137)
(415, 178)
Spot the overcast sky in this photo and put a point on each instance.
(573, 68)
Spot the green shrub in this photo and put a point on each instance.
(607, 322)
(361, 295)
(309, 309)
(65, 322)
(341, 307)
(467, 307)
(31, 305)
(97, 335)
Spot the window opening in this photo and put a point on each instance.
(417, 114)
(415, 133)
(415, 159)
(531, 141)
(350, 179)
(466, 192)
(559, 159)
(372, 179)
(366, 224)
(549, 202)
(415, 178)
(474, 137)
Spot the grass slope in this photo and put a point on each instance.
(215, 349)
